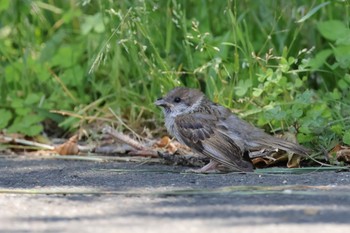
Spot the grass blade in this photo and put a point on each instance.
(312, 12)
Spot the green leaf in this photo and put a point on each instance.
(17, 103)
(338, 129)
(257, 92)
(31, 120)
(343, 41)
(242, 87)
(51, 46)
(275, 113)
(33, 130)
(32, 98)
(298, 83)
(100, 27)
(73, 76)
(12, 72)
(302, 138)
(305, 98)
(86, 27)
(296, 112)
(67, 56)
(342, 85)
(319, 59)
(28, 125)
(335, 95)
(347, 78)
(69, 15)
(5, 117)
(346, 137)
(342, 55)
(96, 22)
(22, 111)
(284, 65)
(4, 5)
(333, 29)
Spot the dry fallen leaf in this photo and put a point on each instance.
(343, 154)
(68, 148)
(261, 162)
(278, 157)
(293, 161)
(334, 151)
(169, 145)
(163, 142)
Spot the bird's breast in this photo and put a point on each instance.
(169, 124)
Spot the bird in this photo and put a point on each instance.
(212, 130)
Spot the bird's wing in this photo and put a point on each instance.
(254, 138)
(201, 133)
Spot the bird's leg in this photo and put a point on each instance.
(211, 167)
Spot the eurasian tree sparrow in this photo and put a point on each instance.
(214, 131)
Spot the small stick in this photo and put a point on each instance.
(123, 138)
(26, 142)
(40, 145)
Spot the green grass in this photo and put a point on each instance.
(274, 63)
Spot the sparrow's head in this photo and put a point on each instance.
(180, 100)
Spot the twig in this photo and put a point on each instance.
(123, 138)
(41, 145)
(100, 158)
(26, 142)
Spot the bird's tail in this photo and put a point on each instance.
(285, 145)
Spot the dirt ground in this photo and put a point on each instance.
(55, 195)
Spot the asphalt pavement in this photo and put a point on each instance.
(43, 194)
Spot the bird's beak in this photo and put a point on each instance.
(162, 103)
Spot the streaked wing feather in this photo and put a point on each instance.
(199, 132)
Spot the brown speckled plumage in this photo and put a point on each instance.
(212, 130)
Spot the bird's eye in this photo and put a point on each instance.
(177, 99)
